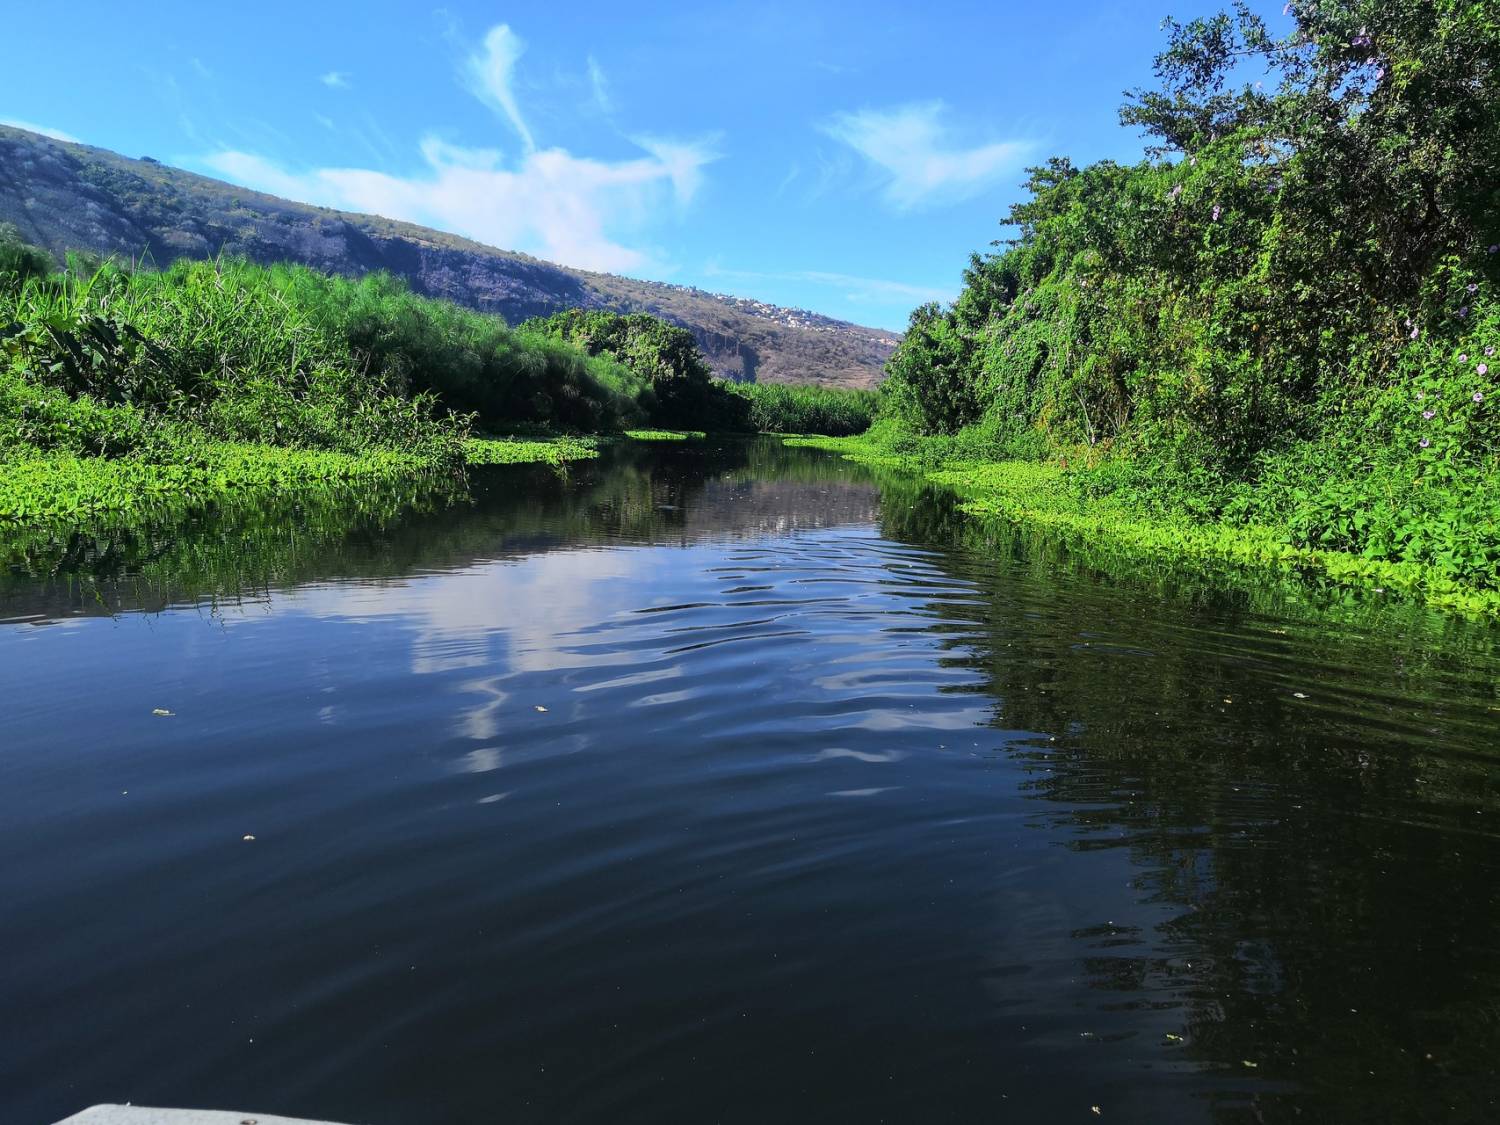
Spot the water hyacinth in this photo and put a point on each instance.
(1472, 287)
(1463, 312)
(1495, 248)
(1483, 369)
(1463, 357)
(1379, 73)
(1425, 442)
(1489, 350)
(1217, 212)
(1429, 414)
(1478, 396)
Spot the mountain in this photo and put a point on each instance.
(64, 197)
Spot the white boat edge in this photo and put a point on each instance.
(147, 1115)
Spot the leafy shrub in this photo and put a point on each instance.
(1264, 319)
(107, 363)
(683, 392)
(784, 409)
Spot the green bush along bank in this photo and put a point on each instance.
(1279, 328)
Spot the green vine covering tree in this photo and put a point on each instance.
(1286, 314)
(683, 390)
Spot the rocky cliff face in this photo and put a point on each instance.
(68, 197)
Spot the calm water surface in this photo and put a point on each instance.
(729, 784)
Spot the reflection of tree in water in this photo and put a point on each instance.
(240, 549)
(1330, 862)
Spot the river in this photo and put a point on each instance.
(731, 783)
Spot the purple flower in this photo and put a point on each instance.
(1463, 312)
(1478, 396)
(1429, 414)
(1414, 331)
(1489, 351)
(1217, 212)
(1379, 73)
(1483, 369)
(1360, 40)
(1472, 287)
(1495, 248)
(1424, 443)
(1463, 357)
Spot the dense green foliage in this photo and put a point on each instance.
(777, 408)
(682, 389)
(118, 386)
(471, 361)
(1286, 317)
(683, 392)
(1123, 530)
(115, 363)
(281, 355)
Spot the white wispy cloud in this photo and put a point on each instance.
(582, 211)
(576, 210)
(336, 79)
(858, 290)
(600, 84)
(44, 130)
(200, 68)
(786, 181)
(490, 73)
(916, 152)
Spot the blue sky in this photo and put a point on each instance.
(845, 158)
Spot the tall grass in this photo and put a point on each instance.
(471, 360)
(113, 362)
(164, 367)
(782, 409)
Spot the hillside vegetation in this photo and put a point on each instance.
(1284, 320)
(119, 384)
(67, 197)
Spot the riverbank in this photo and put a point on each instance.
(1047, 495)
(38, 487)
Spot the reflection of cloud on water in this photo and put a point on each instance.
(508, 618)
(860, 755)
(482, 721)
(485, 759)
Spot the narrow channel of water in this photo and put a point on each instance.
(729, 783)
